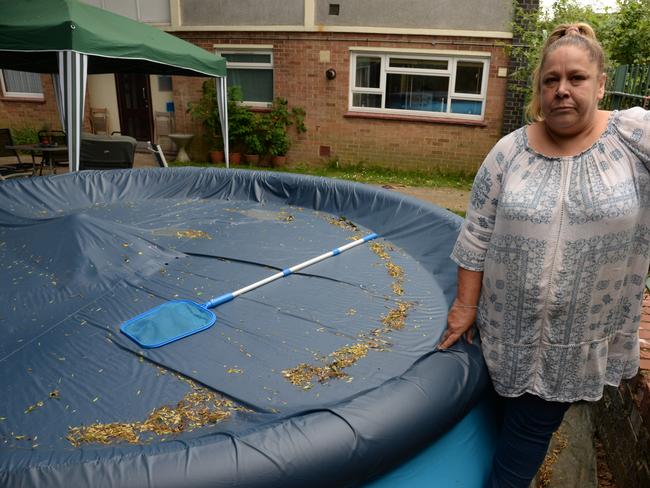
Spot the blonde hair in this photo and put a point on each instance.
(578, 34)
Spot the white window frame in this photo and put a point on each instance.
(265, 50)
(25, 95)
(451, 57)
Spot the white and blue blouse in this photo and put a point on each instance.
(564, 245)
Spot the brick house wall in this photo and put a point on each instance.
(300, 30)
(19, 113)
(332, 132)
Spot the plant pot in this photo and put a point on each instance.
(216, 157)
(235, 158)
(252, 158)
(279, 161)
(265, 161)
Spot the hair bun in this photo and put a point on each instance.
(572, 30)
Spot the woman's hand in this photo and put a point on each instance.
(459, 321)
(462, 313)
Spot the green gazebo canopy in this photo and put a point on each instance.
(71, 39)
(32, 31)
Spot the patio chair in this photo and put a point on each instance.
(7, 140)
(99, 120)
(106, 152)
(10, 175)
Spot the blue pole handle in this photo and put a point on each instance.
(218, 300)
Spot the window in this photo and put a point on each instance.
(165, 83)
(151, 11)
(415, 84)
(20, 84)
(252, 70)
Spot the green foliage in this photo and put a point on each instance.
(252, 132)
(240, 120)
(207, 111)
(374, 174)
(624, 34)
(371, 174)
(532, 29)
(276, 126)
(255, 139)
(24, 135)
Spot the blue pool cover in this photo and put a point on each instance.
(328, 377)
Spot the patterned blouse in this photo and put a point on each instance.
(564, 244)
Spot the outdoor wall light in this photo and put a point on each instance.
(330, 74)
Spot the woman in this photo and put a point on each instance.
(554, 252)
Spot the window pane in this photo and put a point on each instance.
(22, 82)
(256, 84)
(368, 72)
(165, 83)
(366, 100)
(157, 11)
(469, 107)
(126, 8)
(418, 63)
(247, 58)
(469, 76)
(410, 92)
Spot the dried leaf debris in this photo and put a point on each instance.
(198, 408)
(192, 234)
(332, 365)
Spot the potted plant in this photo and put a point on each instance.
(240, 124)
(216, 150)
(207, 112)
(279, 144)
(240, 120)
(280, 118)
(255, 140)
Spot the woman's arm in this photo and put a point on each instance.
(462, 313)
(472, 243)
(634, 127)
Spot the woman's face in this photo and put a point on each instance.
(571, 87)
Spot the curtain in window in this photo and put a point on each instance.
(256, 84)
(22, 82)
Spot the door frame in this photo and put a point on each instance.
(120, 102)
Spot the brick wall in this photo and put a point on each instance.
(21, 113)
(299, 76)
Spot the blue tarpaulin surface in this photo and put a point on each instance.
(330, 376)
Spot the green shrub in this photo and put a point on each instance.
(24, 135)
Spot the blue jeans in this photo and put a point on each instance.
(528, 425)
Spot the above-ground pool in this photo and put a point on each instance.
(327, 377)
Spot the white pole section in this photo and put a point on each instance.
(334, 252)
